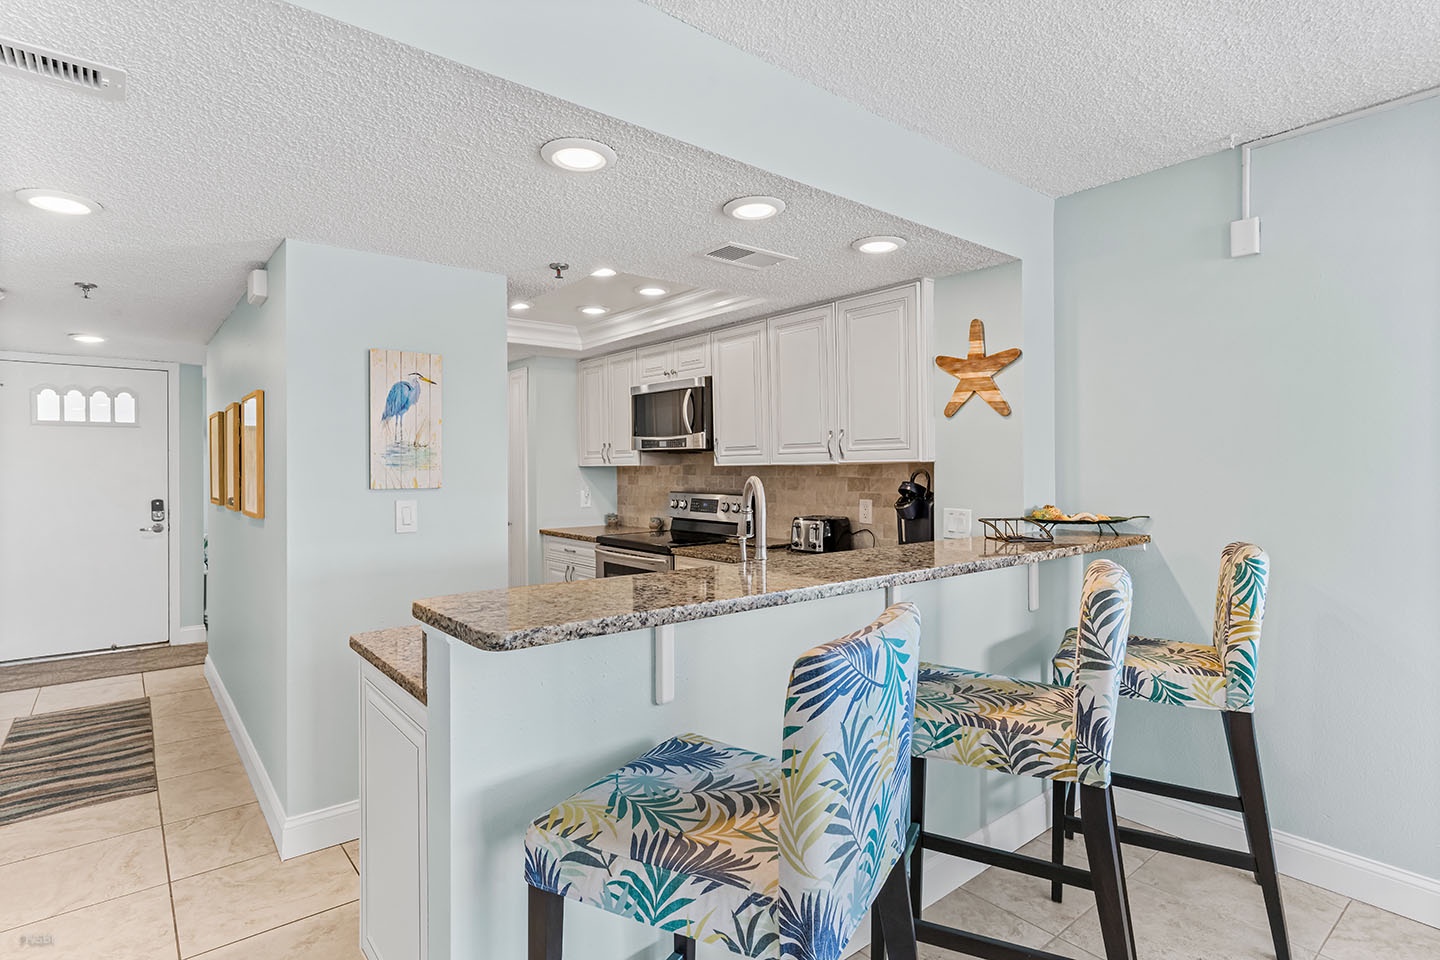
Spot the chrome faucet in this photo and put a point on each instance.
(752, 498)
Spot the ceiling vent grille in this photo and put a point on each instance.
(742, 256)
(52, 67)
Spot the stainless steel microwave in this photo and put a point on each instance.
(673, 415)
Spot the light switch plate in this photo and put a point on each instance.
(584, 496)
(957, 523)
(407, 516)
(867, 511)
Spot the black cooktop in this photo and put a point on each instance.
(657, 542)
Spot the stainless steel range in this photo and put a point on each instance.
(694, 518)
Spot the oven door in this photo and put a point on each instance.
(610, 562)
(672, 415)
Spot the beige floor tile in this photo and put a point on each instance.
(175, 758)
(188, 726)
(207, 791)
(135, 927)
(1310, 912)
(1369, 933)
(73, 828)
(968, 912)
(67, 880)
(4, 729)
(17, 703)
(1168, 927)
(183, 701)
(332, 935)
(159, 682)
(243, 899)
(1066, 949)
(89, 693)
(217, 840)
(352, 850)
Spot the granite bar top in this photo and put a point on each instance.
(727, 552)
(556, 612)
(588, 534)
(399, 653)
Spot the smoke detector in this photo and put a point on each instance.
(48, 66)
(740, 255)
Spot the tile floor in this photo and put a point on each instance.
(187, 871)
(191, 871)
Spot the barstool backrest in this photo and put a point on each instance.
(845, 797)
(1239, 610)
(1104, 633)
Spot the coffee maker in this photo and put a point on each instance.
(915, 510)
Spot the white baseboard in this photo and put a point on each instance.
(297, 835)
(944, 875)
(191, 634)
(1390, 888)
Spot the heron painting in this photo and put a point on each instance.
(404, 420)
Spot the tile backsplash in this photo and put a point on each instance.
(790, 491)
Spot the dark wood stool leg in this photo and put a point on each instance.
(1058, 791)
(917, 816)
(1097, 816)
(877, 934)
(684, 948)
(1245, 760)
(894, 915)
(547, 924)
(1071, 793)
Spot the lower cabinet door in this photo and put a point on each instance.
(393, 835)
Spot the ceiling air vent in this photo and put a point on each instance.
(72, 72)
(743, 256)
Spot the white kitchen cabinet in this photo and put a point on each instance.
(882, 373)
(742, 394)
(602, 393)
(393, 831)
(566, 560)
(803, 386)
(619, 378)
(674, 360)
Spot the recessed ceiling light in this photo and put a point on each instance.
(86, 338)
(754, 208)
(602, 272)
(57, 201)
(577, 155)
(651, 291)
(593, 311)
(878, 244)
(519, 305)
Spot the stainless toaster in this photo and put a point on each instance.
(819, 534)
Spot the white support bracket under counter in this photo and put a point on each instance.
(1032, 573)
(663, 639)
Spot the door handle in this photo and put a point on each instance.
(153, 528)
(687, 409)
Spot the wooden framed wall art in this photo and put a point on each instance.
(405, 390)
(217, 458)
(252, 454)
(232, 456)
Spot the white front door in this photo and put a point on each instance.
(83, 452)
(519, 477)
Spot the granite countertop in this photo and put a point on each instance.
(588, 534)
(728, 552)
(399, 653)
(556, 612)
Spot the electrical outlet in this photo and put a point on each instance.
(957, 523)
(584, 496)
(867, 511)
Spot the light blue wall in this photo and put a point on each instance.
(193, 496)
(248, 585)
(1290, 399)
(554, 480)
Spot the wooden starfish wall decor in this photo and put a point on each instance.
(976, 373)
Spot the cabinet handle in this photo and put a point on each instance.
(605, 452)
(840, 443)
(829, 436)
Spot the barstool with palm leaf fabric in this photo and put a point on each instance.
(770, 858)
(1219, 676)
(1028, 728)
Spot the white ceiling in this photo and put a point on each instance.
(251, 121)
(1063, 95)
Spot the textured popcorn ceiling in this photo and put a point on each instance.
(250, 121)
(1063, 95)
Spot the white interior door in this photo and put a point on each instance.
(519, 477)
(83, 452)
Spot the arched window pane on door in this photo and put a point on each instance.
(74, 406)
(99, 407)
(47, 406)
(124, 407)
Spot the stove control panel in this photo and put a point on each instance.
(717, 507)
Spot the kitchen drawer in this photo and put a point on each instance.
(568, 559)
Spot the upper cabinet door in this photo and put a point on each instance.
(802, 386)
(619, 378)
(592, 413)
(692, 356)
(655, 362)
(878, 337)
(742, 388)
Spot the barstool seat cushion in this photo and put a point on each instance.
(1161, 671)
(682, 838)
(998, 723)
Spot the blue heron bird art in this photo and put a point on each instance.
(401, 399)
(405, 420)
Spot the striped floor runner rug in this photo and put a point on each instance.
(74, 758)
